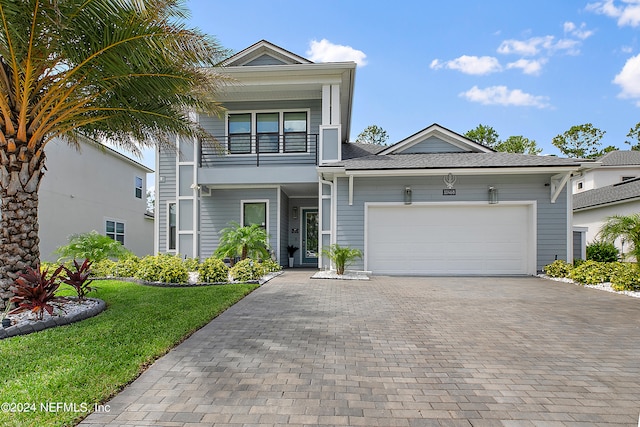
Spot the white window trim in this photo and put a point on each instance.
(168, 229)
(280, 129)
(265, 201)
(121, 221)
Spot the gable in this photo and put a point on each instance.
(433, 144)
(264, 53)
(436, 139)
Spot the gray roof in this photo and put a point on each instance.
(452, 160)
(352, 150)
(621, 158)
(621, 191)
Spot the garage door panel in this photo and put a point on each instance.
(449, 239)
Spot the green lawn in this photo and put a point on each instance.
(90, 361)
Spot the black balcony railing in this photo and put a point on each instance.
(253, 147)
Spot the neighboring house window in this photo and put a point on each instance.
(240, 133)
(295, 132)
(138, 187)
(173, 230)
(627, 178)
(580, 185)
(254, 213)
(267, 126)
(115, 230)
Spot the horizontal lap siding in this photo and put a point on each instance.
(223, 206)
(551, 218)
(166, 191)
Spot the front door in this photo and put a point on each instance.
(310, 236)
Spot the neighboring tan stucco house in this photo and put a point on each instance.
(433, 203)
(95, 188)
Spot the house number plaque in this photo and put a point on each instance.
(449, 192)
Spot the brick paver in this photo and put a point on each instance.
(400, 352)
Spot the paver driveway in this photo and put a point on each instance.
(400, 352)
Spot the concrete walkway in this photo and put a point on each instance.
(400, 352)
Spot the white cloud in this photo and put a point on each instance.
(325, 51)
(476, 65)
(580, 32)
(629, 79)
(536, 45)
(528, 66)
(628, 13)
(501, 95)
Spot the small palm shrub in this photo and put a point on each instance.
(127, 266)
(92, 245)
(246, 270)
(213, 270)
(244, 242)
(593, 272)
(558, 268)
(602, 251)
(625, 277)
(165, 268)
(35, 291)
(78, 278)
(342, 257)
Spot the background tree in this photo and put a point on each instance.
(373, 135)
(485, 135)
(634, 135)
(128, 71)
(518, 144)
(581, 141)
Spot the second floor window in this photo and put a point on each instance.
(267, 129)
(295, 132)
(240, 133)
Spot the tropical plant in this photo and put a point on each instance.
(165, 268)
(626, 228)
(126, 71)
(558, 268)
(342, 257)
(246, 270)
(213, 270)
(91, 245)
(243, 242)
(602, 251)
(291, 250)
(35, 291)
(78, 278)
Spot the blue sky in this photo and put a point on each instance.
(531, 68)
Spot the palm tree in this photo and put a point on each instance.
(244, 242)
(127, 71)
(626, 228)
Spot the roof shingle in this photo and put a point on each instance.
(621, 191)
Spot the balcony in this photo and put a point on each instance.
(265, 149)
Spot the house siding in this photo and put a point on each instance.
(551, 218)
(432, 145)
(224, 206)
(284, 227)
(166, 192)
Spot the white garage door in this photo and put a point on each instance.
(451, 239)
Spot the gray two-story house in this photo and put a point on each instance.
(433, 203)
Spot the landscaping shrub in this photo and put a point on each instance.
(35, 291)
(602, 251)
(127, 266)
(104, 268)
(558, 268)
(625, 277)
(78, 278)
(164, 268)
(246, 270)
(213, 270)
(341, 256)
(577, 262)
(270, 266)
(191, 264)
(592, 272)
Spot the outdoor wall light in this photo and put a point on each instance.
(493, 195)
(407, 195)
(295, 212)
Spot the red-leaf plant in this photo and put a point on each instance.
(78, 279)
(35, 291)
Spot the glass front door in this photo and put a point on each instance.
(310, 236)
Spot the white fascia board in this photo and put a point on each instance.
(438, 131)
(455, 171)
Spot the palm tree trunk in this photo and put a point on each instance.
(20, 175)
